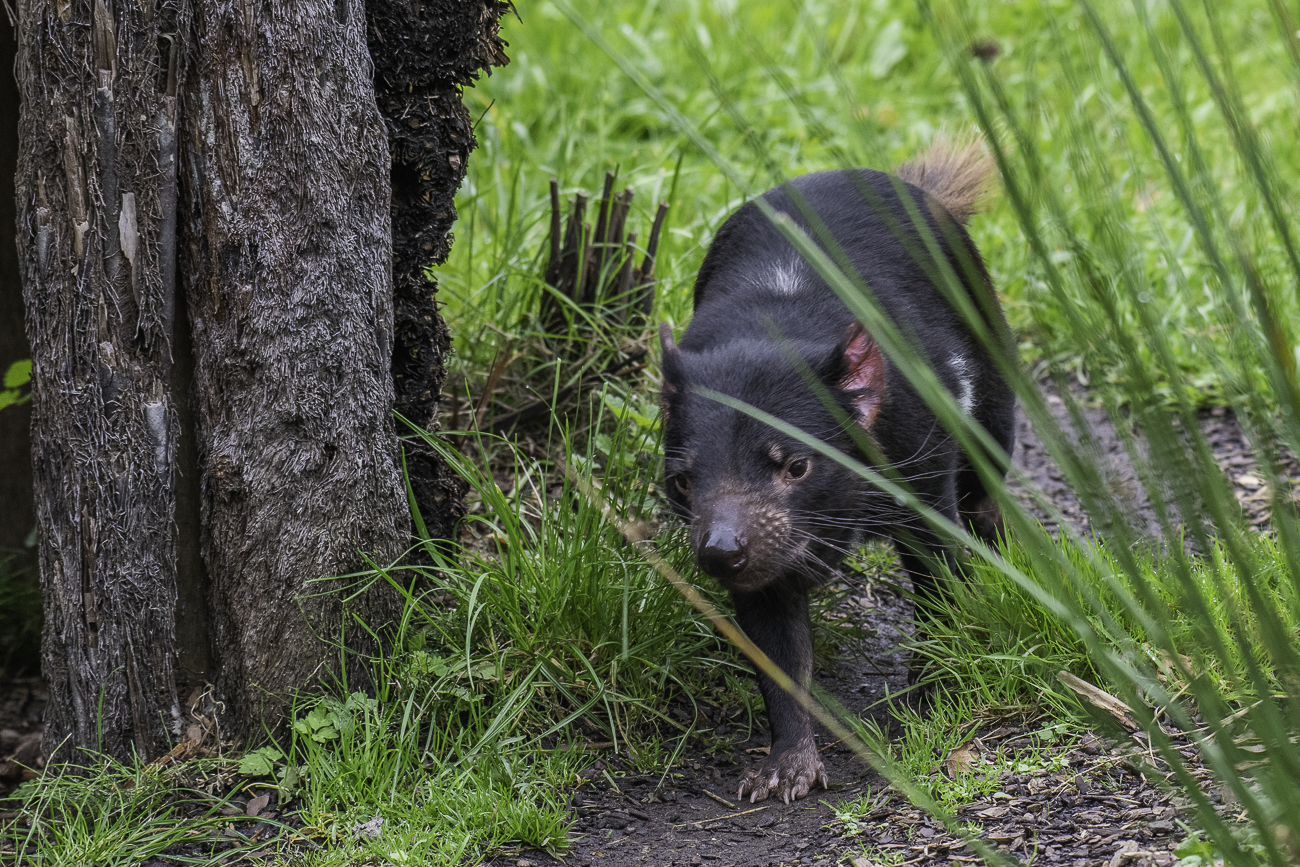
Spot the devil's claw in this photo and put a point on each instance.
(789, 775)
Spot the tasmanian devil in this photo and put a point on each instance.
(771, 518)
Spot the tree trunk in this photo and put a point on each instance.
(95, 196)
(209, 451)
(288, 252)
(424, 52)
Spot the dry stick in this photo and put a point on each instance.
(721, 800)
(600, 241)
(645, 277)
(549, 309)
(724, 818)
(617, 223)
(575, 244)
(498, 368)
(555, 224)
(582, 292)
(618, 219)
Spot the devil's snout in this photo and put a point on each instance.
(723, 553)
(721, 547)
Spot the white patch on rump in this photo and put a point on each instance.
(965, 391)
(784, 279)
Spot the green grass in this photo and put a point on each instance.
(995, 653)
(778, 89)
(552, 624)
(114, 815)
(1143, 243)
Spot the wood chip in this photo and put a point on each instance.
(258, 804)
(1101, 699)
(962, 760)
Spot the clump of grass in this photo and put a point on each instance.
(368, 776)
(996, 649)
(553, 624)
(115, 814)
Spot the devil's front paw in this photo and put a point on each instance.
(788, 775)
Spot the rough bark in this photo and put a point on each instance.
(95, 194)
(244, 415)
(424, 53)
(288, 249)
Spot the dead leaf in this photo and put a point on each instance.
(962, 760)
(1249, 481)
(258, 804)
(860, 861)
(759, 751)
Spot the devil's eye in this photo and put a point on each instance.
(682, 483)
(797, 469)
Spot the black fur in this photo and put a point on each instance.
(769, 517)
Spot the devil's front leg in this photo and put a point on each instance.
(776, 619)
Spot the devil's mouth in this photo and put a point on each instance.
(764, 567)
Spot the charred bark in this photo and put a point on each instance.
(97, 82)
(424, 53)
(287, 241)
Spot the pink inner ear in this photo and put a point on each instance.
(865, 374)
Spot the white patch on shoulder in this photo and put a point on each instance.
(785, 279)
(965, 390)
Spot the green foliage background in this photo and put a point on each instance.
(783, 88)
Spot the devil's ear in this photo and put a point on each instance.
(672, 361)
(862, 373)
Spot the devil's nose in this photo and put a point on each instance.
(723, 553)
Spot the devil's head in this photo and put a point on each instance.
(762, 505)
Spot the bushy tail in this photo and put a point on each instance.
(958, 173)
